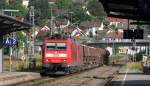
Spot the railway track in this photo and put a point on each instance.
(105, 78)
(41, 80)
(87, 75)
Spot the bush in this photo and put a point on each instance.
(139, 55)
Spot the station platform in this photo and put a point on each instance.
(9, 78)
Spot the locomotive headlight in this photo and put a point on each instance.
(49, 55)
(62, 55)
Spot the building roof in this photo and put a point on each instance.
(9, 24)
(115, 35)
(90, 24)
(43, 32)
(112, 19)
(128, 9)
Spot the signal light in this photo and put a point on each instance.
(128, 34)
(133, 34)
(138, 34)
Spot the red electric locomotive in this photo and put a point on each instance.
(63, 55)
(60, 54)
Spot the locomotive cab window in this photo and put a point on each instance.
(56, 46)
(51, 46)
(61, 46)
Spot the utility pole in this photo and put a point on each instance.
(51, 22)
(52, 18)
(31, 38)
(31, 14)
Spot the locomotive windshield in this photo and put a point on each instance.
(56, 46)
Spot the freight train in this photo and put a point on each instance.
(63, 55)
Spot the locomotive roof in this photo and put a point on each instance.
(57, 37)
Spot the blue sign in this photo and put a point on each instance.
(9, 42)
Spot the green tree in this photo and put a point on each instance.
(96, 9)
(3, 4)
(32, 3)
(79, 14)
(64, 4)
(76, 12)
(17, 5)
(41, 9)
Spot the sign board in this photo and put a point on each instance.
(9, 42)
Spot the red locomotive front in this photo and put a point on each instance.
(56, 51)
(56, 55)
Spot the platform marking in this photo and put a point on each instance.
(123, 81)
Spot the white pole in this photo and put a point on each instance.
(10, 60)
(1, 60)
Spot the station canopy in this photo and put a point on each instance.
(128, 9)
(9, 24)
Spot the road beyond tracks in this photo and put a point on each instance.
(128, 77)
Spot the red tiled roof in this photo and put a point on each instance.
(20, 18)
(42, 34)
(112, 19)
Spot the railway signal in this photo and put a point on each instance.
(133, 34)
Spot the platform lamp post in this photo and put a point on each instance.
(13, 35)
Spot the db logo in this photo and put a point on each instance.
(55, 52)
